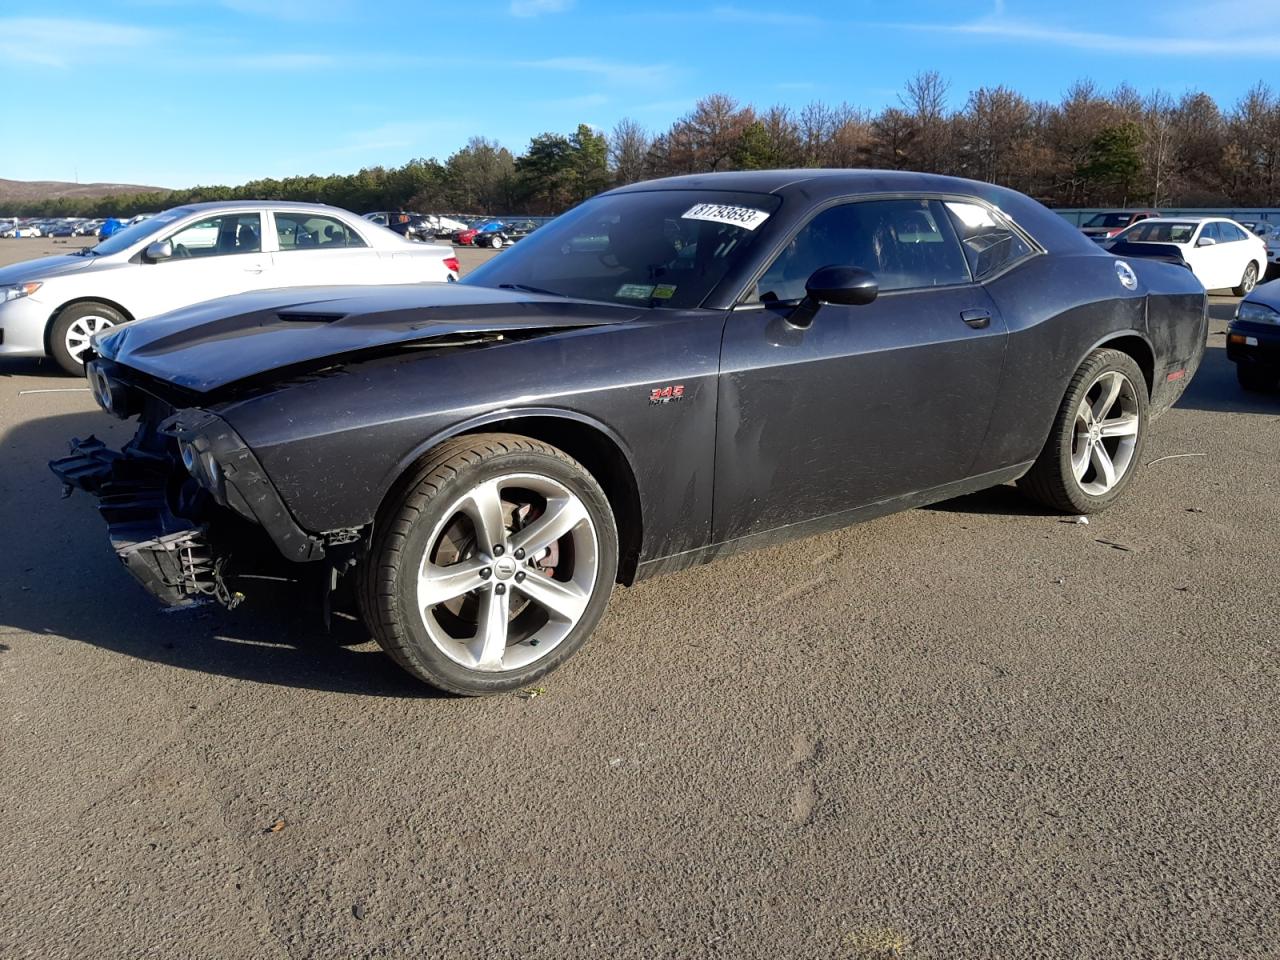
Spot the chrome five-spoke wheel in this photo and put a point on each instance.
(491, 565)
(509, 572)
(1106, 433)
(1095, 444)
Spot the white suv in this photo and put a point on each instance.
(53, 306)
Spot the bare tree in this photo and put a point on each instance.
(628, 151)
(925, 103)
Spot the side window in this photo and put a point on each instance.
(907, 244)
(1210, 230)
(1230, 233)
(304, 231)
(990, 244)
(219, 236)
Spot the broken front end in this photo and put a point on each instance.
(188, 506)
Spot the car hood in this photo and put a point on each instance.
(213, 344)
(43, 268)
(1267, 294)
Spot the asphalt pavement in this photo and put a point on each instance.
(973, 730)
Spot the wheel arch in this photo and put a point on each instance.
(598, 448)
(74, 301)
(1136, 345)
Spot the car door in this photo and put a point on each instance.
(868, 402)
(1206, 255)
(213, 256)
(1240, 249)
(317, 249)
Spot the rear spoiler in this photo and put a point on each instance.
(1166, 252)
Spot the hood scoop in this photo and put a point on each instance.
(300, 316)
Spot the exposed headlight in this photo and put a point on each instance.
(113, 396)
(16, 291)
(1256, 312)
(202, 466)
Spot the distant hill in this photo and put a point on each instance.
(27, 191)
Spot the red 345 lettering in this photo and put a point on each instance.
(671, 393)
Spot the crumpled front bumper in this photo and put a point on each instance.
(168, 554)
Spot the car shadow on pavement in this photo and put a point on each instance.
(58, 576)
(1214, 387)
(44, 368)
(1001, 501)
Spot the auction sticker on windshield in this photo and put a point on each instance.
(746, 217)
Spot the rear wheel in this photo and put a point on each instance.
(1248, 281)
(1097, 438)
(71, 333)
(494, 565)
(1260, 379)
(496, 242)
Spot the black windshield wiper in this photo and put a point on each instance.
(528, 289)
(87, 252)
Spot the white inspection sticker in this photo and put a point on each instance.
(746, 217)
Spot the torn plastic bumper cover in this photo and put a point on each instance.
(168, 554)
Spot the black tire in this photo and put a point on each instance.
(58, 347)
(388, 578)
(1051, 480)
(1248, 281)
(1257, 379)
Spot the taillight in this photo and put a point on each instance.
(451, 264)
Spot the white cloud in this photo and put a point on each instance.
(766, 18)
(609, 70)
(535, 8)
(284, 61)
(1135, 43)
(572, 103)
(291, 9)
(51, 42)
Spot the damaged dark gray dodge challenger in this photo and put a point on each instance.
(671, 372)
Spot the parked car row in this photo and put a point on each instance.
(54, 305)
(12, 227)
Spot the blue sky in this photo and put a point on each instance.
(177, 92)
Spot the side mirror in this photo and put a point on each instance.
(850, 286)
(1206, 242)
(157, 251)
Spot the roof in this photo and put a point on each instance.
(811, 187)
(267, 204)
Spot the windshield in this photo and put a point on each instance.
(126, 238)
(1152, 232)
(659, 248)
(1108, 220)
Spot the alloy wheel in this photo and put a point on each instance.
(508, 573)
(1105, 434)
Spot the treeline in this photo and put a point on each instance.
(1093, 148)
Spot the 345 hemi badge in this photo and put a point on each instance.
(671, 393)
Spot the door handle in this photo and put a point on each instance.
(978, 319)
(256, 268)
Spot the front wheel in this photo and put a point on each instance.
(492, 566)
(496, 243)
(1097, 438)
(1248, 281)
(72, 332)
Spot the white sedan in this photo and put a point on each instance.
(1220, 252)
(53, 306)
